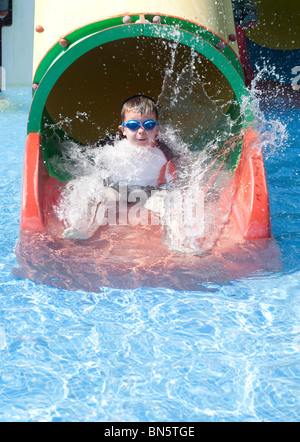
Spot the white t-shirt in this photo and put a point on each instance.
(137, 166)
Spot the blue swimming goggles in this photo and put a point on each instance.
(135, 125)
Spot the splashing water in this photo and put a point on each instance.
(273, 133)
(192, 215)
(190, 209)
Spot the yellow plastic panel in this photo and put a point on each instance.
(59, 18)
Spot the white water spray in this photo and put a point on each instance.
(191, 215)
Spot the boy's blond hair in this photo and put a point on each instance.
(141, 104)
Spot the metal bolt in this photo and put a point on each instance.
(127, 19)
(64, 42)
(39, 28)
(221, 45)
(156, 19)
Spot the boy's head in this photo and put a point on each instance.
(141, 104)
(139, 109)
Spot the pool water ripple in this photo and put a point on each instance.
(226, 352)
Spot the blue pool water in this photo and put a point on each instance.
(230, 354)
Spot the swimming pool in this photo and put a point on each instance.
(227, 352)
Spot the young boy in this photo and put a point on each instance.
(140, 126)
(138, 160)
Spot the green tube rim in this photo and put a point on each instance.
(101, 25)
(84, 39)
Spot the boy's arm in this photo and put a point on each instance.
(167, 175)
(170, 173)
